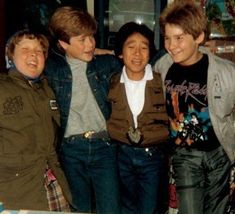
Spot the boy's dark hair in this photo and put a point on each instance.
(68, 21)
(130, 28)
(186, 14)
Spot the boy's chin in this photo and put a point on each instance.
(33, 75)
(87, 59)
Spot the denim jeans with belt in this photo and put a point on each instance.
(90, 166)
(202, 180)
(140, 172)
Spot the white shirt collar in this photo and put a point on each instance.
(148, 75)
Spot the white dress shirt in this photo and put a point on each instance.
(135, 91)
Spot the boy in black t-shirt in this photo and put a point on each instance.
(200, 98)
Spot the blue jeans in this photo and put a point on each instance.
(90, 166)
(202, 180)
(140, 172)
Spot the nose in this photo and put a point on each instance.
(137, 51)
(170, 44)
(32, 53)
(90, 41)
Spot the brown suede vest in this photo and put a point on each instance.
(152, 121)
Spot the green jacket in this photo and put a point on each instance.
(29, 119)
(152, 121)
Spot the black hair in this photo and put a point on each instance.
(130, 28)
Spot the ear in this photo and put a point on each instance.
(63, 44)
(200, 38)
(120, 56)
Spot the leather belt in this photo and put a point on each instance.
(92, 134)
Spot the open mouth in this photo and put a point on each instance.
(32, 64)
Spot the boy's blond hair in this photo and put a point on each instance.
(186, 14)
(19, 35)
(68, 21)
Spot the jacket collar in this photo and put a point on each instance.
(15, 74)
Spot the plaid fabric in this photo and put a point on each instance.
(56, 200)
(173, 201)
(231, 203)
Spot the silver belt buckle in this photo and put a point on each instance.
(88, 134)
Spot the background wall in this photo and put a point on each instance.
(2, 36)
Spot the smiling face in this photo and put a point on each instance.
(182, 47)
(28, 57)
(135, 55)
(80, 47)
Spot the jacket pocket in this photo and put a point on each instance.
(14, 166)
(17, 134)
(118, 109)
(22, 179)
(223, 104)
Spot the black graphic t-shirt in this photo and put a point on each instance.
(187, 105)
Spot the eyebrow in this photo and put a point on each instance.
(133, 41)
(182, 34)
